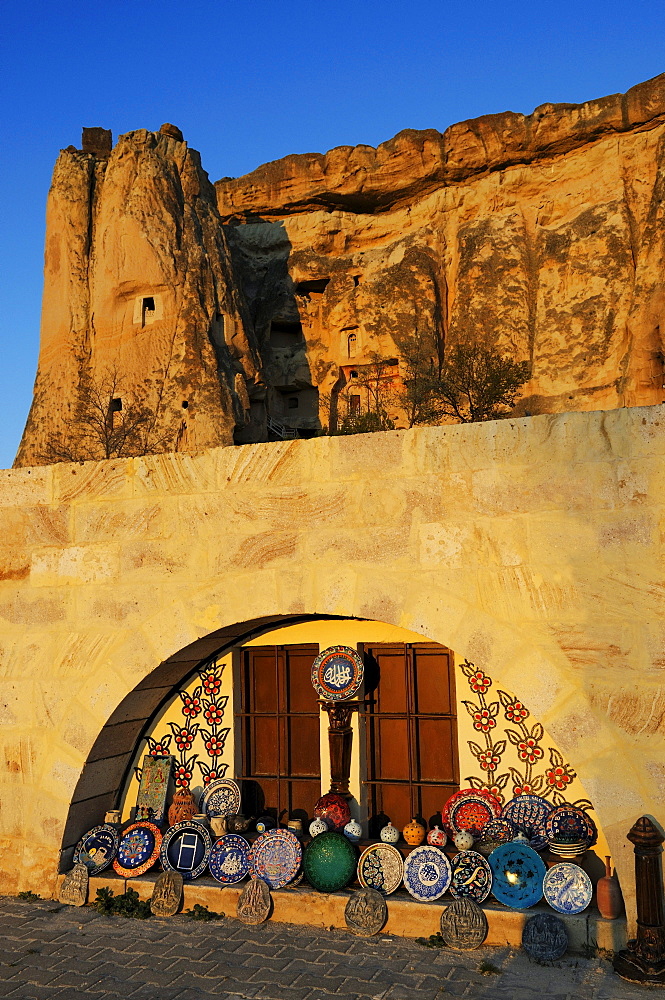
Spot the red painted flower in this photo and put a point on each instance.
(212, 775)
(483, 721)
(212, 684)
(158, 750)
(524, 789)
(516, 712)
(215, 746)
(184, 739)
(559, 777)
(529, 750)
(191, 705)
(213, 714)
(495, 790)
(183, 776)
(488, 760)
(480, 682)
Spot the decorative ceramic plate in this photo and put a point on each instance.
(471, 876)
(220, 798)
(334, 810)
(229, 859)
(138, 849)
(528, 813)
(469, 809)
(501, 830)
(275, 857)
(337, 673)
(570, 823)
(381, 867)
(517, 875)
(330, 861)
(186, 848)
(567, 888)
(427, 873)
(97, 848)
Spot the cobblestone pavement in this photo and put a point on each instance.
(50, 951)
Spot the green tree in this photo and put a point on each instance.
(375, 386)
(477, 383)
(420, 369)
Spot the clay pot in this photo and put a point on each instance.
(317, 826)
(437, 837)
(414, 833)
(218, 825)
(463, 840)
(353, 830)
(608, 894)
(183, 807)
(389, 834)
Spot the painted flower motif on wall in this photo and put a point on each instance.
(526, 739)
(208, 744)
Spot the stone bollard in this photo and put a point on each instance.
(644, 959)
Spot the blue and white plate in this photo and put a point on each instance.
(529, 813)
(471, 876)
(97, 848)
(517, 875)
(220, 798)
(567, 888)
(427, 873)
(276, 856)
(229, 859)
(186, 848)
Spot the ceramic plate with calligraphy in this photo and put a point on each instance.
(471, 876)
(567, 888)
(97, 848)
(138, 849)
(529, 813)
(220, 798)
(275, 857)
(337, 673)
(427, 873)
(381, 867)
(517, 875)
(186, 848)
(470, 809)
(570, 823)
(229, 859)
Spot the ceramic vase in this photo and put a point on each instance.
(389, 834)
(608, 894)
(218, 825)
(437, 837)
(414, 833)
(317, 826)
(353, 830)
(463, 840)
(201, 819)
(183, 807)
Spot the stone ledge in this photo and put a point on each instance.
(588, 932)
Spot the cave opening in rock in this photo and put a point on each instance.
(283, 334)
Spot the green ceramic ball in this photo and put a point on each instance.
(329, 861)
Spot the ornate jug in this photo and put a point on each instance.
(389, 834)
(414, 833)
(183, 807)
(437, 837)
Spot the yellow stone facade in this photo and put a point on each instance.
(534, 547)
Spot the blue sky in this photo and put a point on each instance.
(249, 81)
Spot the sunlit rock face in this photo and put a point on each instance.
(240, 310)
(138, 282)
(541, 234)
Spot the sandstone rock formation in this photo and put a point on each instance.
(542, 234)
(138, 282)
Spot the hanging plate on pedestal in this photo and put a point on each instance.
(337, 673)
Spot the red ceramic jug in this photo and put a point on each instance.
(608, 894)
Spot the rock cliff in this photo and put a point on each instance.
(267, 295)
(140, 303)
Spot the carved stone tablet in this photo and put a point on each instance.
(366, 912)
(74, 888)
(463, 925)
(254, 902)
(544, 938)
(167, 894)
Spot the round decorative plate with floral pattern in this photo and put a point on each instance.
(138, 849)
(470, 809)
(567, 822)
(501, 830)
(471, 876)
(220, 798)
(529, 813)
(567, 888)
(381, 867)
(427, 873)
(275, 857)
(97, 848)
(517, 875)
(229, 859)
(337, 673)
